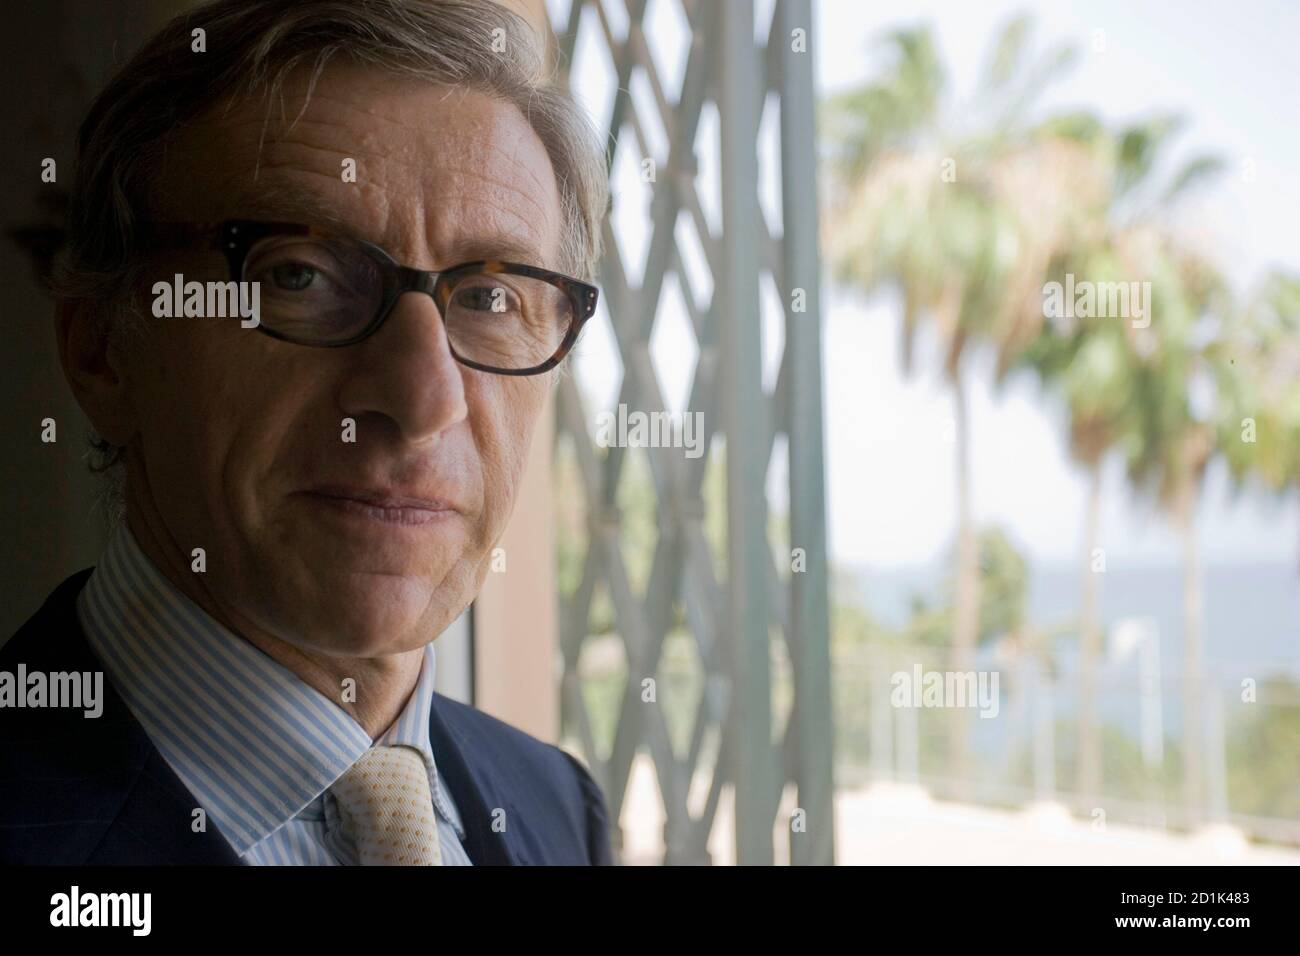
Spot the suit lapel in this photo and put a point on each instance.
(476, 791)
(151, 812)
(159, 805)
(118, 771)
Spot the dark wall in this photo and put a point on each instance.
(55, 56)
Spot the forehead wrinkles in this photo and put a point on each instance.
(491, 155)
(461, 143)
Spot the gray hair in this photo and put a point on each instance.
(250, 48)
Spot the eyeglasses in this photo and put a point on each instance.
(325, 290)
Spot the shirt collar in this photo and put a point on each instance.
(253, 742)
(411, 729)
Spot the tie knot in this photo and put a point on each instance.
(386, 807)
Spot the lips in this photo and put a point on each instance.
(382, 504)
(384, 498)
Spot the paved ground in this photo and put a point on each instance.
(891, 825)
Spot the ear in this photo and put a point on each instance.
(94, 370)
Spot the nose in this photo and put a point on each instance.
(406, 375)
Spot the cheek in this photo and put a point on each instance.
(179, 396)
(217, 410)
(505, 413)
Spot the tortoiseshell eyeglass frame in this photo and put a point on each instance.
(235, 237)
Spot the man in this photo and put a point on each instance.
(318, 279)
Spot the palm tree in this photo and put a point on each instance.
(1174, 439)
(1090, 361)
(960, 211)
(1259, 387)
(1090, 365)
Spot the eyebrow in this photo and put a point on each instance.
(285, 205)
(473, 249)
(272, 203)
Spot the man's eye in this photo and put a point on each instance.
(293, 276)
(485, 299)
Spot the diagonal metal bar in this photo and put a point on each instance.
(623, 62)
(732, 621)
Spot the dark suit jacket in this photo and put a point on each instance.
(77, 790)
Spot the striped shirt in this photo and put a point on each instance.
(257, 747)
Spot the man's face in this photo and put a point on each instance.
(239, 446)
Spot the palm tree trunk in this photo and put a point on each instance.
(1193, 640)
(1089, 781)
(966, 610)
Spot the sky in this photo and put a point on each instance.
(1233, 76)
(890, 469)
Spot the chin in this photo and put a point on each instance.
(370, 618)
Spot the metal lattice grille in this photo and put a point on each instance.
(741, 620)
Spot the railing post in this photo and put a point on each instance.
(1044, 736)
(809, 601)
(742, 398)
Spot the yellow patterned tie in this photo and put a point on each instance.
(385, 805)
